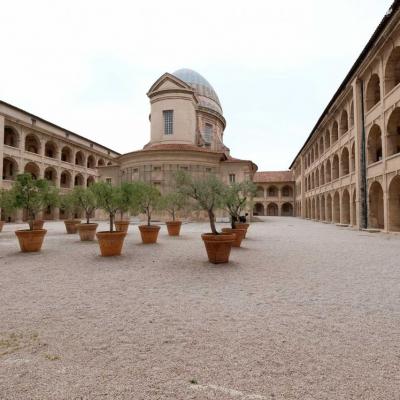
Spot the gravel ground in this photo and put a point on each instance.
(303, 311)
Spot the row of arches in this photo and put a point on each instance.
(274, 191)
(332, 169)
(51, 150)
(10, 171)
(331, 136)
(272, 210)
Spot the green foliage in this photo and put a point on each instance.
(236, 197)
(173, 202)
(6, 202)
(146, 200)
(33, 195)
(113, 198)
(84, 199)
(207, 191)
(67, 204)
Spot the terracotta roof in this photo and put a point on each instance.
(273, 176)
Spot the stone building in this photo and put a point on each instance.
(348, 170)
(275, 193)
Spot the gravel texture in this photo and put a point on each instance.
(304, 311)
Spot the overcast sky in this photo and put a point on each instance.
(87, 65)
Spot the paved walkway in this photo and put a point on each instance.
(304, 311)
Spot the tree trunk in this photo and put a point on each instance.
(173, 215)
(233, 222)
(211, 217)
(148, 217)
(87, 217)
(111, 222)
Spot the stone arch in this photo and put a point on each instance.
(66, 154)
(260, 192)
(328, 172)
(321, 145)
(373, 94)
(392, 70)
(32, 143)
(259, 209)
(316, 151)
(90, 180)
(394, 204)
(272, 210)
(50, 174)
(33, 169)
(336, 208)
(322, 208)
(287, 210)
(374, 145)
(375, 209)
(329, 208)
(344, 122)
(335, 167)
(100, 162)
(11, 136)
(79, 158)
(327, 139)
(91, 162)
(317, 178)
(335, 132)
(393, 132)
(351, 114)
(65, 179)
(322, 175)
(10, 168)
(272, 191)
(345, 208)
(287, 191)
(344, 162)
(50, 149)
(109, 163)
(78, 180)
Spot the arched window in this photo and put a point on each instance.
(376, 216)
(374, 145)
(272, 210)
(260, 192)
(392, 72)
(344, 162)
(287, 210)
(79, 158)
(352, 114)
(287, 191)
(10, 136)
(66, 154)
(327, 139)
(335, 167)
(100, 162)
(32, 144)
(322, 175)
(258, 209)
(78, 181)
(321, 145)
(272, 191)
(344, 123)
(50, 174)
(10, 169)
(65, 179)
(393, 133)
(328, 175)
(90, 180)
(50, 149)
(33, 169)
(91, 162)
(335, 135)
(373, 95)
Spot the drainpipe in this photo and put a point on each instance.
(363, 182)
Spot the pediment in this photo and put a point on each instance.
(168, 82)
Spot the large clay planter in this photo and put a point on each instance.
(122, 226)
(87, 231)
(1, 225)
(174, 227)
(30, 241)
(242, 225)
(239, 235)
(218, 246)
(38, 224)
(148, 233)
(110, 243)
(71, 225)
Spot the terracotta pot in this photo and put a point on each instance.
(110, 242)
(71, 225)
(239, 235)
(174, 227)
(149, 233)
(1, 225)
(87, 231)
(38, 224)
(121, 226)
(30, 240)
(218, 246)
(242, 225)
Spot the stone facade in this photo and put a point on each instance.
(348, 171)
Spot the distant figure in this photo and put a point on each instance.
(242, 218)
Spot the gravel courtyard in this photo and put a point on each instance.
(304, 311)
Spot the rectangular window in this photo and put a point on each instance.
(168, 122)
(208, 133)
(232, 178)
(109, 181)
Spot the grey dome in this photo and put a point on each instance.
(207, 95)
